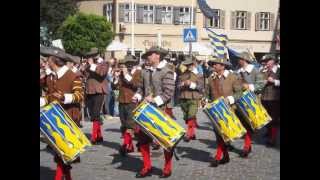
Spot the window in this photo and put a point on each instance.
(241, 20)
(184, 15)
(217, 21)
(241, 17)
(127, 13)
(108, 11)
(264, 21)
(166, 15)
(148, 14)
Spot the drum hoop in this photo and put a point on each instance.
(60, 153)
(72, 122)
(216, 126)
(148, 131)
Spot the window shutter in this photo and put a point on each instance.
(248, 23)
(104, 10)
(257, 21)
(176, 11)
(121, 12)
(205, 21)
(158, 15)
(194, 15)
(222, 19)
(233, 20)
(272, 20)
(139, 13)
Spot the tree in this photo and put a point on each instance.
(81, 32)
(54, 12)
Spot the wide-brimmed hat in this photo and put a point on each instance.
(155, 49)
(267, 57)
(128, 59)
(74, 59)
(217, 60)
(188, 60)
(245, 56)
(54, 51)
(92, 53)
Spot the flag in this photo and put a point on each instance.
(218, 42)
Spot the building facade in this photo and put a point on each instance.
(249, 24)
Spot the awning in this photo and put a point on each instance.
(117, 46)
(202, 49)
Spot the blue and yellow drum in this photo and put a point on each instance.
(253, 111)
(61, 132)
(158, 125)
(224, 120)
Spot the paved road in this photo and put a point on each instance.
(102, 162)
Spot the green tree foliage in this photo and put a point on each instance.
(54, 12)
(81, 32)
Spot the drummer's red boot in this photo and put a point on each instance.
(127, 145)
(94, 135)
(59, 171)
(247, 145)
(190, 130)
(99, 133)
(225, 158)
(193, 130)
(167, 164)
(217, 158)
(146, 170)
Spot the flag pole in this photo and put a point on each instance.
(191, 22)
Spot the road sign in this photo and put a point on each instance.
(190, 35)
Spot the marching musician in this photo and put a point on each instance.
(127, 79)
(270, 97)
(252, 80)
(71, 64)
(227, 84)
(64, 86)
(190, 85)
(96, 88)
(157, 88)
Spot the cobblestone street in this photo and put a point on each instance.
(103, 162)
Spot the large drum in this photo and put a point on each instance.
(252, 110)
(62, 133)
(224, 120)
(158, 125)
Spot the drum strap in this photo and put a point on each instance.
(175, 154)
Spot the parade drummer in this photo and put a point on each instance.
(96, 88)
(270, 96)
(64, 86)
(252, 80)
(157, 88)
(222, 83)
(190, 85)
(127, 79)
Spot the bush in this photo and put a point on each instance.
(81, 32)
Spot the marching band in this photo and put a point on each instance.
(237, 103)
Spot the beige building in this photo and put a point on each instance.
(249, 24)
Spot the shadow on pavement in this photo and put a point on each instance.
(193, 154)
(111, 145)
(133, 164)
(209, 143)
(46, 173)
(112, 130)
(207, 128)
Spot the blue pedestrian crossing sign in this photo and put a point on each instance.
(190, 35)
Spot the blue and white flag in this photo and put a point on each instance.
(218, 42)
